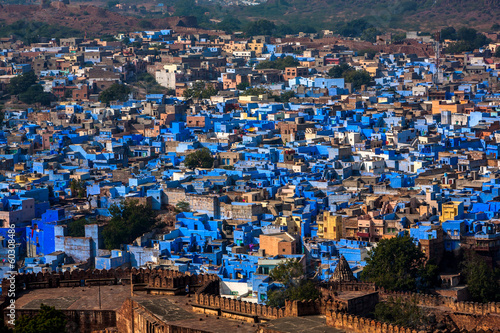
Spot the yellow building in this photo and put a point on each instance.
(451, 210)
(291, 222)
(440, 106)
(253, 99)
(330, 226)
(256, 45)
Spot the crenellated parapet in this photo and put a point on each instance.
(151, 278)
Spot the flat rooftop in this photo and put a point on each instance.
(177, 310)
(347, 295)
(77, 298)
(174, 310)
(314, 324)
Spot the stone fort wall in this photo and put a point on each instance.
(150, 277)
(82, 321)
(426, 300)
(339, 314)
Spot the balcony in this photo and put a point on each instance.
(363, 234)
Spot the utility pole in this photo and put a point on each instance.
(437, 76)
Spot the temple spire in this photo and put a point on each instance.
(342, 272)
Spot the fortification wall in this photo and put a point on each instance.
(207, 300)
(223, 304)
(357, 324)
(82, 321)
(471, 323)
(148, 277)
(328, 291)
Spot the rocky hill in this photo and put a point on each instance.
(392, 14)
(88, 19)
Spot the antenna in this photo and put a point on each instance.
(437, 77)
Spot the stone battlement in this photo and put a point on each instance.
(236, 309)
(427, 300)
(207, 300)
(362, 325)
(152, 278)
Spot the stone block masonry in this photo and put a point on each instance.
(82, 321)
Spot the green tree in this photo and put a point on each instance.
(398, 311)
(354, 28)
(338, 71)
(350, 75)
(148, 82)
(229, 24)
(459, 47)
(78, 188)
(242, 86)
(468, 40)
(182, 206)
(201, 158)
(399, 37)
(260, 27)
(396, 264)
(36, 95)
(47, 320)
(117, 92)
(482, 280)
(21, 83)
(77, 228)
(200, 90)
(370, 34)
(32, 31)
(357, 78)
(145, 24)
(285, 96)
(294, 286)
(279, 63)
(129, 220)
(108, 38)
(287, 271)
(369, 53)
(466, 34)
(448, 33)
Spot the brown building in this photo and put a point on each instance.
(293, 72)
(433, 248)
(281, 243)
(291, 131)
(228, 158)
(81, 94)
(195, 121)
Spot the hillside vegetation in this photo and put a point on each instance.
(355, 15)
(350, 18)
